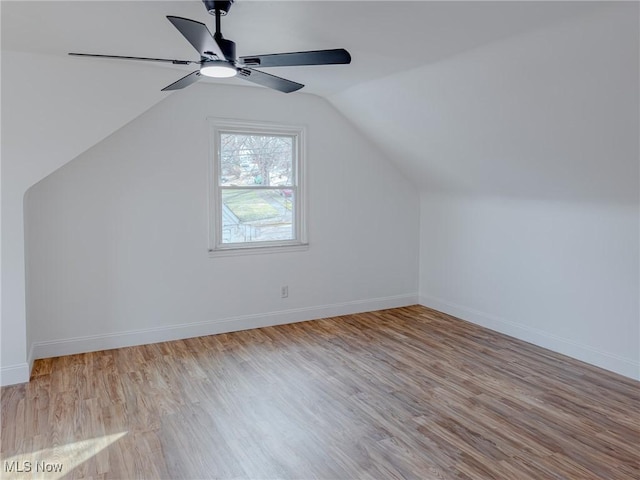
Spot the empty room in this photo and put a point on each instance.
(320, 239)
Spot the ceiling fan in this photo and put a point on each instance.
(218, 55)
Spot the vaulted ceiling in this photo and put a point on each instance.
(383, 37)
(424, 83)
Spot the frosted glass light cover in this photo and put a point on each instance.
(218, 70)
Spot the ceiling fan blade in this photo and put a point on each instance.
(266, 80)
(146, 59)
(317, 57)
(198, 35)
(183, 82)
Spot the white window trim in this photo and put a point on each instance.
(216, 247)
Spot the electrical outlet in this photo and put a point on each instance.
(284, 291)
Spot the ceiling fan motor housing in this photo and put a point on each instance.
(222, 6)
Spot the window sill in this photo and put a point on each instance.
(235, 251)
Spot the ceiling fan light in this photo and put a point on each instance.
(218, 69)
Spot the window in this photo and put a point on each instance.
(257, 195)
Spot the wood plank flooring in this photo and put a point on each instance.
(401, 393)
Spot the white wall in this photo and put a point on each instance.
(527, 155)
(46, 123)
(550, 255)
(117, 238)
(557, 274)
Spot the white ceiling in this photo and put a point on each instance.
(383, 37)
(457, 94)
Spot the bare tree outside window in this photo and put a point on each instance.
(255, 160)
(257, 186)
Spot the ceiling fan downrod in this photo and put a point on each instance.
(219, 9)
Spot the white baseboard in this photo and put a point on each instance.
(92, 343)
(14, 374)
(599, 358)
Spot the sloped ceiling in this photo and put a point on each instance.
(74, 103)
(423, 74)
(548, 114)
(383, 37)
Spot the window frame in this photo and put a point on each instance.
(298, 133)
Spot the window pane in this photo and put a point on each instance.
(256, 160)
(257, 215)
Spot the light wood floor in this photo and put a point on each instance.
(402, 393)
